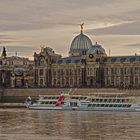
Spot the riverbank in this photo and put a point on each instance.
(12, 105)
(20, 95)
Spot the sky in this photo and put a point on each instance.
(27, 25)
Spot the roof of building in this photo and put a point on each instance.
(122, 59)
(78, 59)
(67, 60)
(81, 42)
(96, 49)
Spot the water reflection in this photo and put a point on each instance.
(67, 125)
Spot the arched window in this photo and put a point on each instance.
(54, 81)
(63, 81)
(136, 81)
(71, 81)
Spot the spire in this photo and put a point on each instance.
(81, 25)
(4, 53)
(109, 51)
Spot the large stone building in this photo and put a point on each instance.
(15, 71)
(86, 66)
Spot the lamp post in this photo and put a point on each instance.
(35, 74)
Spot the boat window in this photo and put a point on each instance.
(53, 97)
(102, 105)
(45, 97)
(56, 97)
(115, 105)
(109, 100)
(111, 105)
(106, 105)
(114, 100)
(49, 97)
(127, 100)
(73, 104)
(82, 98)
(124, 105)
(123, 100)
(128, 105)
(89, 105)
(93, 100)
(105, 100)
(62, 103)
(119, 105)
(97, 105)
(118, 100)
(93, 105)
(101, 100)
(97, 100)
(46, 102)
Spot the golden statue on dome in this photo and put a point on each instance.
(82, 27)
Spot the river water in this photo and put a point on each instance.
(24, 124)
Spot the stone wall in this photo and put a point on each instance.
(20, 95)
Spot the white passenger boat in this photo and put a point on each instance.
(88, 103)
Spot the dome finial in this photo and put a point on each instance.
(81, 25)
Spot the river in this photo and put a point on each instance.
(24, 124)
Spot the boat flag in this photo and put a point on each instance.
(61, 98)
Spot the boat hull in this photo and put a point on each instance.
(84, 109)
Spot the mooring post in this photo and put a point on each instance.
(1, 95)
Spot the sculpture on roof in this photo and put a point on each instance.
(81, 25)
(4, 53)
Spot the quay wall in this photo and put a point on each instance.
(19, 95)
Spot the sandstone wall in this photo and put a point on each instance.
(19, 95)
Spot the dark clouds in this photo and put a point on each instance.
(35, 14)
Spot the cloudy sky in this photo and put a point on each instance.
(25, 25)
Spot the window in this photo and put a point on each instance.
(67, 72)
(136, 70)
(54, 81)
(136, 81)
(63, 81)
(61, 71)
(54, 72)
(71, 81)
(41, 72)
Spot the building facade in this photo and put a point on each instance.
(15, 71)
(86, 66)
